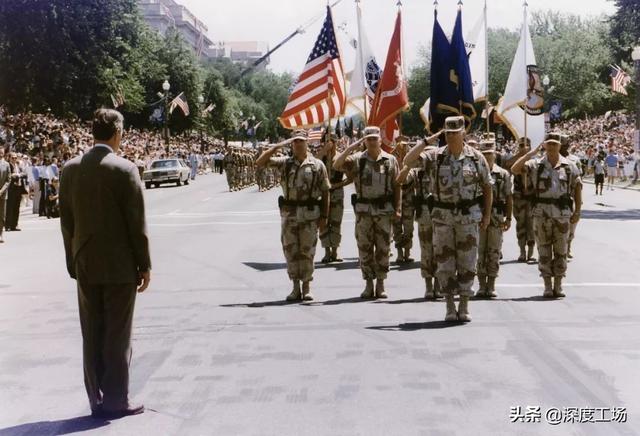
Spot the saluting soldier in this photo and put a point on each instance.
(557, 198)
(332, 236)
(490, 246)
(304, 208)
(376, 202)
(403, 228)
(461, 186)
(419, 178)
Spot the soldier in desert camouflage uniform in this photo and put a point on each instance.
(419, 178)
(460, 184)
(377, 202)
(403, 228)
(229, 168)
(490, 243)
(557, 198)
(522, 207)
(303, 209)
(331, 237)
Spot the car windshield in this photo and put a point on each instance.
(164, 164)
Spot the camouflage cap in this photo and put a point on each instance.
(371, 132)
(553, 137)
(300, 134)
(454, 124)
(487, 146)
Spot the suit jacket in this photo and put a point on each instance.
(102, 219)
(5, 177)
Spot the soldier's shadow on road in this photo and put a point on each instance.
(60, 427)
(414, 326)
(618, 215)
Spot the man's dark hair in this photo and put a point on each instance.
(105, 124)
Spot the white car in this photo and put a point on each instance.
(166, 171)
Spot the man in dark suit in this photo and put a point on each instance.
(105, 240)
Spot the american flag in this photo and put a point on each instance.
(619, 80)
(315, 135)
(319, 94)
(181, 102)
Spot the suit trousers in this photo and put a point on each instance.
(106, 315)
(3, 207)
(12, 214)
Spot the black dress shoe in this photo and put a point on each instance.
(116, 414)
(97, 412)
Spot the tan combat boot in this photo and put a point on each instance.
(482, 286)
(400, 257)
(295, 294)
(491, 287)
(569, 254)
(523, 255)
(429, 294)
(327, 255)
(436, 288)
(380, 291)
(530, 257)
(306, 291)
(334, 255)
(407, 255)
(557, 288)
(548, 288)
(368, 290)
(463, 309)
(452, 315)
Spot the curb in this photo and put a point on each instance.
(628, 187)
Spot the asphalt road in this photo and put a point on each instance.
(217, 352)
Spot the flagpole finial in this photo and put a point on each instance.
(399, 3)
(435, 4)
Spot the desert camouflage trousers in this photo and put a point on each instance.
(552, 236)
(403, 229)
(427, 260)
(332, 236)
(299, 239)
(373, 235)
(524, 221)
(455, 248)
(489, 249)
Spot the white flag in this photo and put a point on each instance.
(524, 92)
(476, 45)
(366, 74)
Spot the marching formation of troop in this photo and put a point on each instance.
(239, 165)
(462, 196)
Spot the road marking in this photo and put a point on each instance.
(577, 285)
(222, 223)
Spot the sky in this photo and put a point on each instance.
(273, 20)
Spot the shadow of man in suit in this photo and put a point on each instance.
(102, 216)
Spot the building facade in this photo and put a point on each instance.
(161, 15)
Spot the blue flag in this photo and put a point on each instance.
(460, 74)
(444, 95)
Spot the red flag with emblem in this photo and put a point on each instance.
(391, 96)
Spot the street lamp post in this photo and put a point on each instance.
(200, 123)
(635, 55)
(166, 86)
(547, 115)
